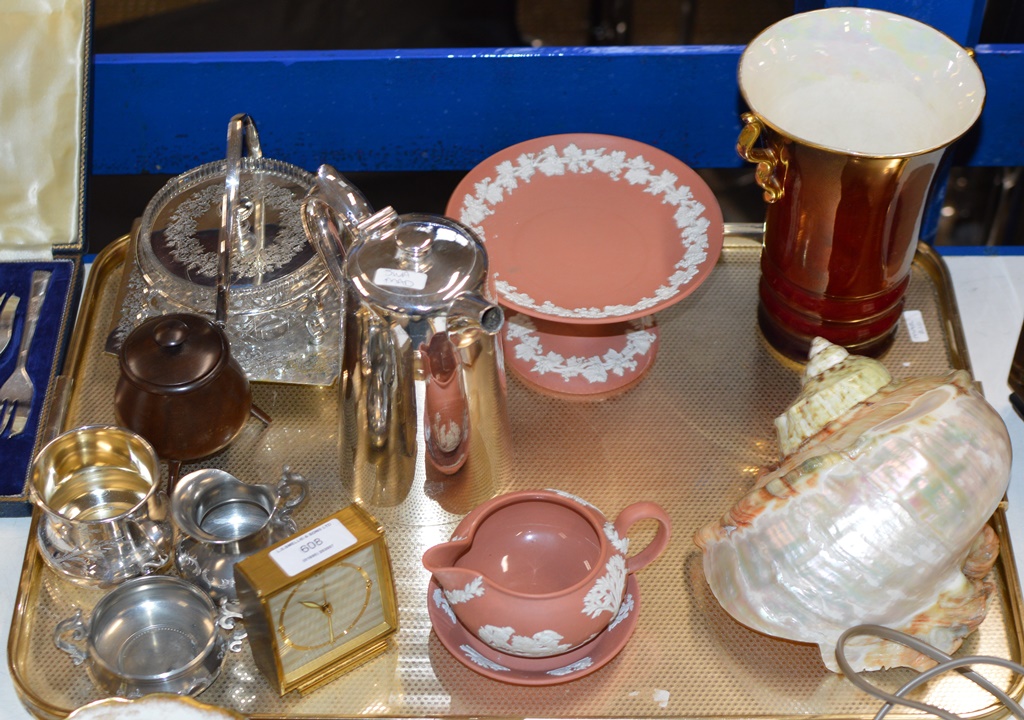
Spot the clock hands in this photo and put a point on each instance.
(323, 587)
(326, 608)
(322, 607)
(329, 612)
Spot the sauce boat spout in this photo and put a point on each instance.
(440, 560)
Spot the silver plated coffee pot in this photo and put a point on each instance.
(425, 425)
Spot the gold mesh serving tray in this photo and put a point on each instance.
(690, 436)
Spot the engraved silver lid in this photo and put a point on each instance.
(272, 262)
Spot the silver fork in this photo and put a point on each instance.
(17, 392)
(8, 309)
(6, 320)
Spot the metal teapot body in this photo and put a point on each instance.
(425, 428)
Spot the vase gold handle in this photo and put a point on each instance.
(769, 167)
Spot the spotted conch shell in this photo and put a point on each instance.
(877, 513)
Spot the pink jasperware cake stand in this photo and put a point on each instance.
(588, 236)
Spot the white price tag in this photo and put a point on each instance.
(393, 277)
(915, 326)
(313, 547)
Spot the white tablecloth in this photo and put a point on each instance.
(990, 295)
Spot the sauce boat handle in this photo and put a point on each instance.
(644, 511)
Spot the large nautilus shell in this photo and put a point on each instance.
(877, 513)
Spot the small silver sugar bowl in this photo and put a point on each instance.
(151, 634)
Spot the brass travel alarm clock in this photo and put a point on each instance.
(320, 602)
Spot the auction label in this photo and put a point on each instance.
(394, 277)
(313, 547)
(915, 326)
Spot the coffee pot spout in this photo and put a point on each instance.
(475, 312)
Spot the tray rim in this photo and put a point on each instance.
(63, 386)
(738, 236)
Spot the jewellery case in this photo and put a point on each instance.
(43, 111)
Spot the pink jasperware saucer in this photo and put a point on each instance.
(476, 655)
(587, 228)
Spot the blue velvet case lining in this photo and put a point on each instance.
(45, 359)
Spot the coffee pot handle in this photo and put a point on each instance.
(634, 514)
(68, 632)
(770, 171)
(333, 213)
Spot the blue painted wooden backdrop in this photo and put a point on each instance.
(449, 109)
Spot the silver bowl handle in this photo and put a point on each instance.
(68, 632)
(228, 615)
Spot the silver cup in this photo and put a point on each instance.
(151, 634)
(104, 514)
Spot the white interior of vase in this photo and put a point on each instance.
(862, 82)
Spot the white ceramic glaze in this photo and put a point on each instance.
(862, 81)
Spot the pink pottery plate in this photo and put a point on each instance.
(579, 361)
(589, 228)
(472, 652)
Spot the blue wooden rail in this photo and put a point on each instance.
(415, 110)
(411, 110)
(447, 110)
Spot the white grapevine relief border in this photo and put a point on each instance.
(528, 347)
(617, 166)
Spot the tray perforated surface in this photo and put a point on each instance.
(691, 437)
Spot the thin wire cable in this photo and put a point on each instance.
(958, 663)
(945, 663)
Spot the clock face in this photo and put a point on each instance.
(327, 611)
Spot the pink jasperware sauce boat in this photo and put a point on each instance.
(538, 573)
